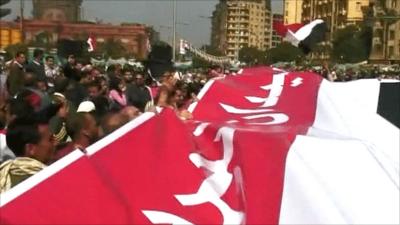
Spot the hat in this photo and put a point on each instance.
(86, 106)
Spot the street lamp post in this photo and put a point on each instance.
(21, 19)
(174, 32)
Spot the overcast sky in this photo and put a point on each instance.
(193, 24)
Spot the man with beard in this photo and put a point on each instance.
(83, 130)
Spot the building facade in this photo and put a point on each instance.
(276, 39)
(336, 13)
(134, 37)
(386, 33)
(219, 26)
(57, 10)
(10, 34)
(292, 11)
(242, 23)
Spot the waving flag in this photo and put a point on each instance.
(266, 147)
(303, 36)
(92, 44)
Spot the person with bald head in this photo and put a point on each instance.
(111, 122)
(131, 112)
(83, 130)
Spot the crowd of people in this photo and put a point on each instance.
(49, 110)
(335, 74)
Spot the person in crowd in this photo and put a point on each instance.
(70, 71)
(36, 65)
(5, 152)
(117, 93)
(138, 94)
(83, 130)
(32, 85)
(16, 75)
(101, 101)
(104, 84)
(127, 76)
(75, 92)
(32, 143)
(118, 70)
(57, 123)
(166, 90)
(93, 89)
(112, 121)
(131, 112)
(42, 85)
(51, 70)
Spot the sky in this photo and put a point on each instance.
(193, 23)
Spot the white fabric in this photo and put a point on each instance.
(305, 31)
(346, 169)
(5, 152)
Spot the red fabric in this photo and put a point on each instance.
(64, 151)
(282, 29)
(153, 167)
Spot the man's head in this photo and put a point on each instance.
(168, 79)
(50, 61)
(128, 77)
(20, 57)
(71, 59)
(95, 73)
(41, 84)
(82, 128)
(38, 54)
(131, 112)
(112, 122)
(139, 80)
(30, 79)
(93, 89)
(27, 138)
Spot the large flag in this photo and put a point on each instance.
(303, 36)
(266, 147)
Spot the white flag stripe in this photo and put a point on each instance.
(346, 170)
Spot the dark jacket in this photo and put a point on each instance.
(137, 96)
(37, 69)
(15, 79)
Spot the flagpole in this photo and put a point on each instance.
(21, 19)
(174, 31)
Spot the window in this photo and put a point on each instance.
(358, 6)
(391, 35)
(399, 47)
(394, 4)
(287, 13)
(391, 51)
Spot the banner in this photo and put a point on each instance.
(266, 147)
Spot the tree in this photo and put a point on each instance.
(285, 52)
(349, 45)
(251, 56)
(112, 48)
(43, 40)
(13, 49)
